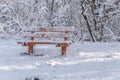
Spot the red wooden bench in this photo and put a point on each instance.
(46, 35)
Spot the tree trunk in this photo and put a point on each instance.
(86, 20)
(51, 13)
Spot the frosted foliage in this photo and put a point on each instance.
(7, 22)
(90, 19)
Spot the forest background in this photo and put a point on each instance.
(94, 20)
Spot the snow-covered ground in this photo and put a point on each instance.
(83, 61)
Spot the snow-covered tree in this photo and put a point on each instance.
(94, 20)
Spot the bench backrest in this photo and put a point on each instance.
(48, 33)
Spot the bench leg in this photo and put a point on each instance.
(30, 48)
(63, 50)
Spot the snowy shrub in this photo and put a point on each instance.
(8, 26)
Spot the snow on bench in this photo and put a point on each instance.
(50, 29)
(47, 35)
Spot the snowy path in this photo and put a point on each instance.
(86, 61)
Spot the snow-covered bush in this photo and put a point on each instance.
(8, 26)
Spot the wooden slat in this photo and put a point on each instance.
(47, 34)
(37, 42)
(44, 42)
(50, 29)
